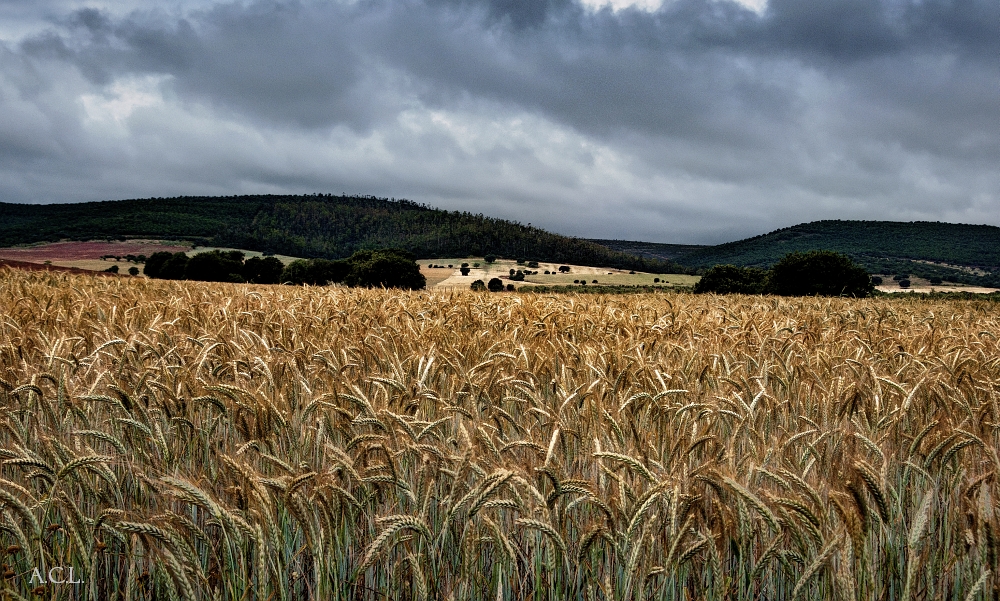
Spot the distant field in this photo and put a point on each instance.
(452, 278)
(87, 255)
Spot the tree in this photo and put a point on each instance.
(133, 271)
(564, 269)
(478, 286)
(215, 266)
(464, 270)
(112, 269)
(490, 258)
(267, 270)
(315, 272)
(389, 268)
(819, 272)
(904, 283)
(155, 262)
(730, 279)
(174, 267)
(495, 285)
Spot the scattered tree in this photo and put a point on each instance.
(133, 271)
(478, 286)
(495, 285)
(564, 269)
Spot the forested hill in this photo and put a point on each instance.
(958, 252)
(308, 226)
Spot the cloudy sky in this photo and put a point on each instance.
(694, 121)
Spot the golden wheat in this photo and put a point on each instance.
(214, 441)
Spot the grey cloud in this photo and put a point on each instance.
(812, 109)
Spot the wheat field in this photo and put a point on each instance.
(210, 441)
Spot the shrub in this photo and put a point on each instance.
(730, 279)
(876, 281)
(490, 258)
(656, 280)
(510, 287)
(495, 285)
(818, 272)
(520, 261)
(478, 286)
(533, 264)
(564, 269)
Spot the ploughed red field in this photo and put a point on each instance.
(75, 251)
(42, 267)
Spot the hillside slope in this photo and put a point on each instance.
(308, 226)
(956, 252)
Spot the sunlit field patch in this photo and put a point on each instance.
(216, 441)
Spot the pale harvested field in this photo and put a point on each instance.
(215, 441)
(446, 279)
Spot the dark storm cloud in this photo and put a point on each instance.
(809, 109)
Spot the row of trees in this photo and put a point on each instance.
(387, 268)
(815, 273)
(214, 266)
(367, 268)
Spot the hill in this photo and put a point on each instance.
(309, 226)
(963, 253)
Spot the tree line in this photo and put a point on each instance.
(389, 268)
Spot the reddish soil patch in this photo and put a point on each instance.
(74, 251)
(40, 267)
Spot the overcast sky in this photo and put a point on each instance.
(689, 121)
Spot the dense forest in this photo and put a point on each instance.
(953, 252)
(316, 226)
